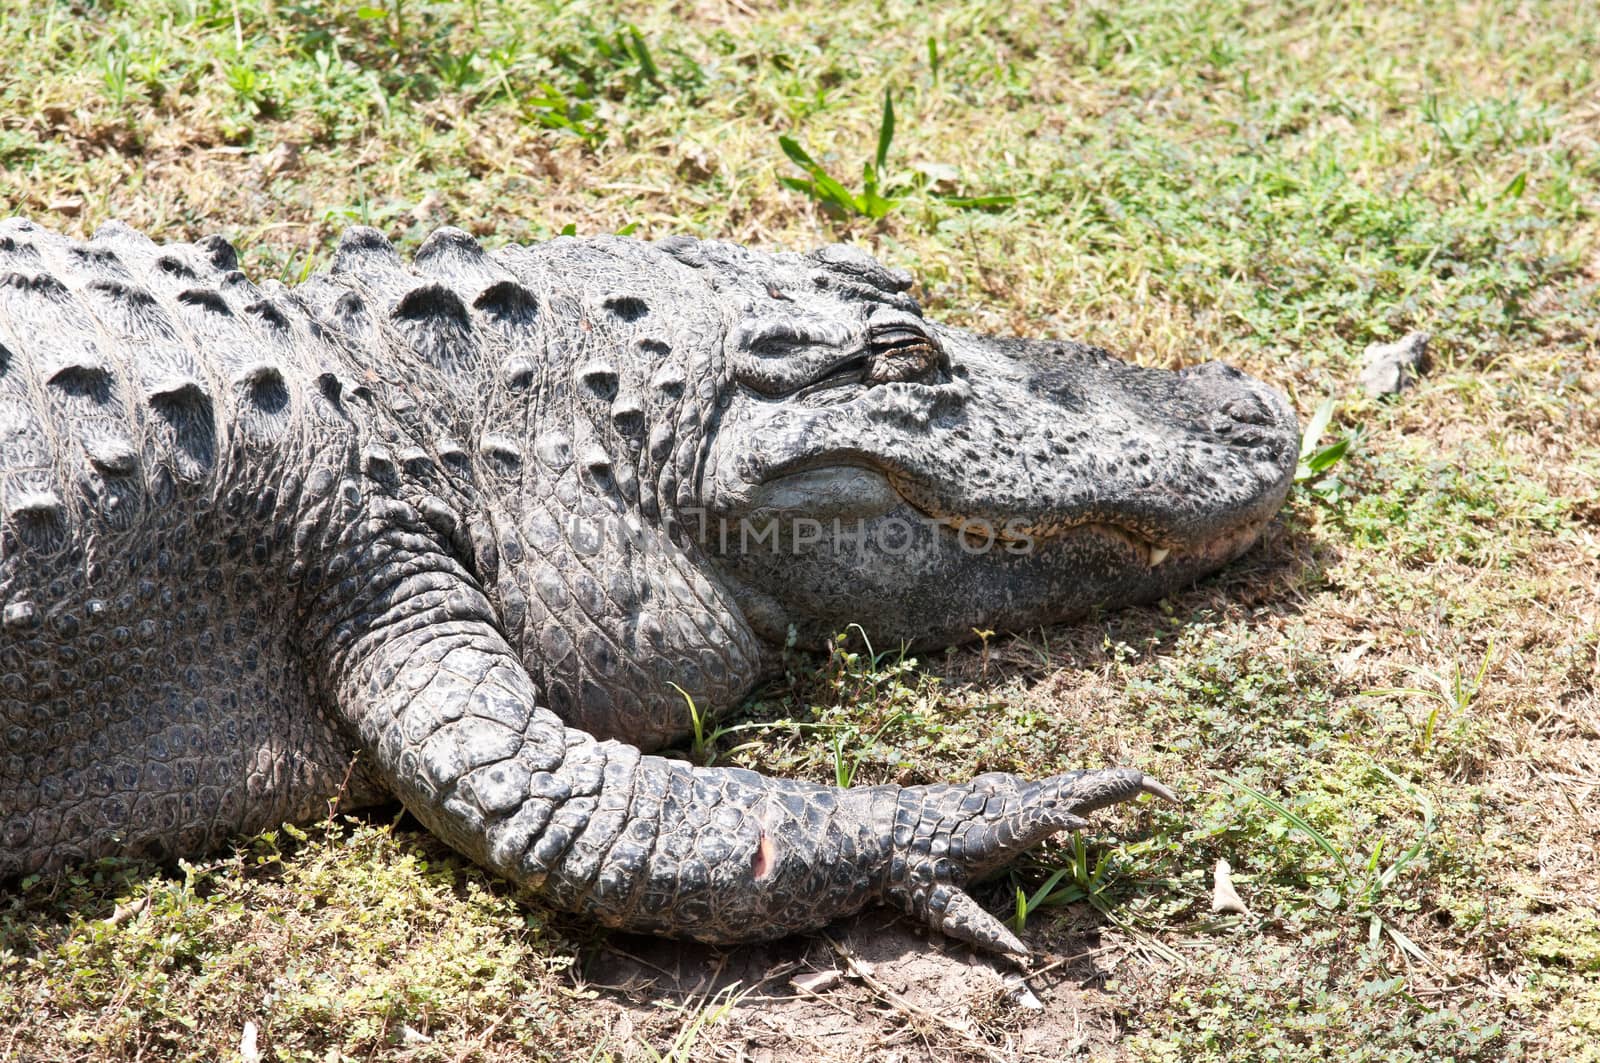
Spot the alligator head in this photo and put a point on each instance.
(869, 466)
(692, 451)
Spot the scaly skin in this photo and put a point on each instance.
(465, 521)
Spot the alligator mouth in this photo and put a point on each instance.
(1209, 552)
(1016, 536)
(979, 533)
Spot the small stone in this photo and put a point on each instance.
(1021, 993)
(695, 163)
(249, 1049)
(1390, 368)
(285, 158)
(816, 981)
(1224, 898)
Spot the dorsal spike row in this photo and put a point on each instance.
(265, 390)
(115, 457)
(365, 252)
(447, 239)
(600, 379)
(332, 387)
(120, 232)
(82, 377)
(416, 461)
(431, 304)
(348, 314)
(23, 250)
(36, 283)
(128, 295)
(518, 372)
(219, 252)
(177, 388)
(438, 328)
(39, 505)
(378, 462)
(186, 408)
(628, 307)
(508, 303)
(98, 260)
(349, 307)
(259, 374)
(501, 450)
(269, 313)
(451, 451)
(669, 380)
(449, 251)
(207, 299)
(174, 266)
(627, 413)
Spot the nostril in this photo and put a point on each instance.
(1249, 410)
(1213, 369)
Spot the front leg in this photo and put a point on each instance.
(454, 724)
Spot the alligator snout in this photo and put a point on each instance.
(1240, 397)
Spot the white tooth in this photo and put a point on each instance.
(1158, 554)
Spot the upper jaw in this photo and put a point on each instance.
(1191, 500)
(1078, 430)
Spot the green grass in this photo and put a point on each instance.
(1273, 184)
(333, 941)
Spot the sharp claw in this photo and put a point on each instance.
(966, 920)
(1091, 790)
(1150, 786)
(1070, 822)
(984, 824)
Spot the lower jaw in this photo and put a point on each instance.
(1115, 567)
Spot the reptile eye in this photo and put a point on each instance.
(853, 371)
(902, 353)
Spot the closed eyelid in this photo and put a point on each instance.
(778, 336)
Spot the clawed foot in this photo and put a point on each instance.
(946, 836)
